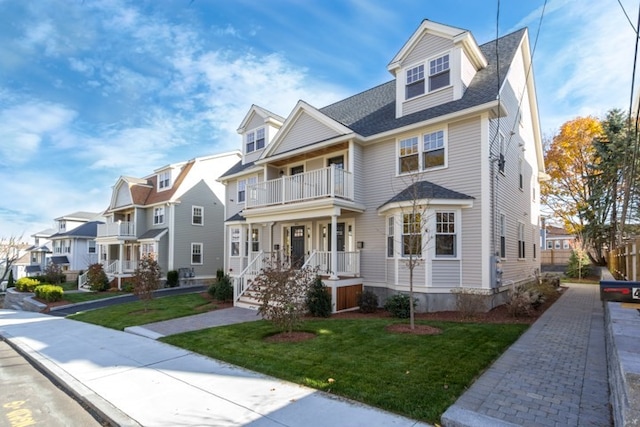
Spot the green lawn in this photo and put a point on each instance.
(133, 313)
(77, 297)
(418, 376)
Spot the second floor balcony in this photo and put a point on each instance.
(327, 182)
(117, 229)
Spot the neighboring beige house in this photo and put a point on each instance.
(332, 187)
(557, 238)
(176, 213)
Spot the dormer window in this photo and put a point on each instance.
(164, 180)
(62, 225)
(415, 81)
(255, 140)
(439, 72)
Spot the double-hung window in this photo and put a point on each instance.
(91, 244)
(158, 215)
(446, 234)
(521, 242)
(433, 154)
(235, 242)
(242, 190)
(390, 236)
(411, 234)
(409, 159)
(415, 82)
(439, 72)
(196, 253)
(255, 140)
(164, 180)
(197, 215)
(503, 236)
(259, 138)
(251, 142)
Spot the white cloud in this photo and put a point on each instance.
(26, 125)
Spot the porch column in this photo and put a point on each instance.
(334, 247)
(120, 257)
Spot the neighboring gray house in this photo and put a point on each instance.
(176, 213)
(72, 244)
(456, 129)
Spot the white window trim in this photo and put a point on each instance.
(502, 232)
(231, 242)
(457, 231)
(428, 72)
(390, 225)
(521, 238)
(162, 178)
(95, 247)
(425, 79)
(421, 151)
(254, 134)
(155, 221)
(193, 245)
(193, 209)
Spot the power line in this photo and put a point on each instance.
(628, 19)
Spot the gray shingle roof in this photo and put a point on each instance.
(238, 167)
(88, 229)
(152, 233)
(374, 111)
(426, 190)
(236, 217)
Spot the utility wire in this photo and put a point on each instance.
(628, 19)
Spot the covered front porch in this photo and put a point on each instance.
(323, 243)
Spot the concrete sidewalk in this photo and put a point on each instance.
(554, 375)
(132, 380)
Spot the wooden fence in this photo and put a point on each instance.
(555, 256)
(624, 262)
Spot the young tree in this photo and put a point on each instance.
(53, 274)
(146, 279)
(9, 254)
(415, 233)
(282, 294)
(96, 278)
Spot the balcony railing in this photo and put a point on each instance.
(117, 229)
(315, 184)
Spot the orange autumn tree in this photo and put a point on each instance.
(572, 163)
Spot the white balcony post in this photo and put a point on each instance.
(332, 180)
(284, 193)
(334, 247)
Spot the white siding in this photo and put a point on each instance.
(304, 131)
(424, 102)
(445, 273)
(123, 196)
(428, 46)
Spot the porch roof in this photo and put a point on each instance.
(153, 233)
(425, 190)
(58, 260)
(236, 217)
(32, 269)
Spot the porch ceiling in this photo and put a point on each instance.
(310, 154)
(314, 209)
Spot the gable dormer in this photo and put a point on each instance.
(257, 129)
(435, 66)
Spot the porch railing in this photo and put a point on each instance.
(240, 282)
(82, 280)
(348, 263)
(319, 183)
(110, 268)
(117, 229)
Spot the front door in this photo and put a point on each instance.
(297, 246)
(339, 238)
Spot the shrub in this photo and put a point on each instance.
(49, 293)
(368, 302)
(219, 274)
(398, 306)
(128, 286)
(53, 274)
(523, 300)
(26, 284)
(579, 264)
(211, 290)
(469, 301)
(96, 278)
(224, 289)
(319, 299)
(282, 294)
(172, 278)
(11, 282)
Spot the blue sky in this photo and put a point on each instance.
(94, 89)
